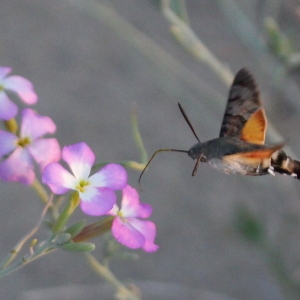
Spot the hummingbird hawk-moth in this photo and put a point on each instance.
(240, 148)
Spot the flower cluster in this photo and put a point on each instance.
(21, 149)
(97, 195)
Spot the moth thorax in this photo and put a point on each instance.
(195, 151)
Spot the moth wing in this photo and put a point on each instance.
(254, 130)
(243, 106)
(253, 158)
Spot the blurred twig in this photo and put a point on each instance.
(268, 65)
(166, 66)
(138, 138)
(281, 45)
(179, 8)
(122, 291)
(139, 166)
(17, 248)
(187, 38)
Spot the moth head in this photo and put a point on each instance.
(196, 151)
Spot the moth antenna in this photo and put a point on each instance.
(188, 121)
(196, 165)
(157, 151)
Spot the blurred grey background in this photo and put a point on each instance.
(90, 72)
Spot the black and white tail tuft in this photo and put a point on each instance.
(283, 164)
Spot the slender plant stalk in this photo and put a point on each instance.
(16, 250)
(186, 36)
(179, 7)
(139, 166)
(106, 274)
(40, 190)
(43, 195)
(21, 262)
(138, 138)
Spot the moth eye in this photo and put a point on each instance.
(203, 159)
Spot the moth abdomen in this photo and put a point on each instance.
(284, 164)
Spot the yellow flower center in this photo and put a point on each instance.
(24, 142)
(81, 186)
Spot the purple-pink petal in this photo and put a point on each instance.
(131, 206)
(8, 109)
(148, 230)
(58, 178)
(4, 71)
(80, 158)
(45, 151)
(112, 176)
(18, 167)
(8, 142)
(34, 125)
(129, 230)
(114, 211)
(126, 234)
(99, 204)
(22, 86)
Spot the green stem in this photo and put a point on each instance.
(41, 192)
(140, 146)
(106, 274)
(16, 250)
(72, 204)
(43, 195)
(179, 7)
(42, 250)
(138, 139)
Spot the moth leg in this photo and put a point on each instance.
(271, 170)
(258, 169)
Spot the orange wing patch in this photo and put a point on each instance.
(255, 157)
(254, 130)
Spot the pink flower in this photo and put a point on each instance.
(127, 228)
(19, 152)
(96, 192)
(17, 84)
